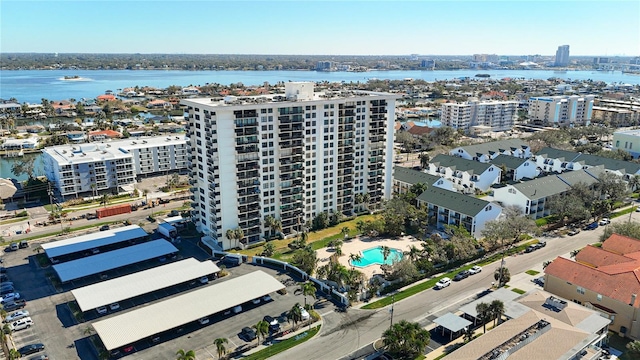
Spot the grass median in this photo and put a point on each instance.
(283, 345)
(432, 282)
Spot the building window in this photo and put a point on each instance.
(580, 290)
(599, 297)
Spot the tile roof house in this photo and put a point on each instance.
(605, 278)
(467, 175)
(104, 134)
(404, 178)
(489, 150)
(540, 326)
(417, 131)
(533, 195)
(452, 208)
(516, 168)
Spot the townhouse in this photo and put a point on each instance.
(514, 168)
(467, 175)
(486, 151)
(404, 178)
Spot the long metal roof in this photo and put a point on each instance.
(143, 282)
(93, 240)
(138, 324)
(113, 259)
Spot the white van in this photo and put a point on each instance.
(23, 323)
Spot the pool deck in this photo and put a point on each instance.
(359, 244)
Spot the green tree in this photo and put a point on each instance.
(274, 225)
(386, 251)
(24, 166)
(484, 315)
(308, 289)
(14, 354)
(345, 232)
(496, 308)
(295, 315)
(262, 329)
(185, 355)
(353, 258)
(424, 160)
(508, 229)
(406, 340)
(104, 200)
(220, 348)
(305, 259)
(625, 228)
(235, 234)
(502, 275)
(268, 249)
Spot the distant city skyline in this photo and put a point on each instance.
(427, 27)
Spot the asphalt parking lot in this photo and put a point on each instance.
(66, 338)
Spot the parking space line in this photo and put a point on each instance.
(327, 313)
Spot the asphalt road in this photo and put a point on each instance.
(345, 333)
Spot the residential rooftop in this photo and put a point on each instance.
(459, 164)
(410, 176)
(460, 203)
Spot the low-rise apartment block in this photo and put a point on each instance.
(404, 178)
(485, 152)
(467, 175)
(490, 115)
(89, 169)
(561, 111)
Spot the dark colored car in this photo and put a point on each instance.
(31, 349)
(274, 325)
(592, 226)
(14, 305)
(531, 248)
(23, 244)
(461, 275)
(104, 227)
(541, 244)
(248, 334)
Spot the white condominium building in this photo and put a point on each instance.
(89, 169)
(561, 111)
(496, 115)
(291, 156)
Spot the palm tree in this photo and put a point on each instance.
(386, 251)
(413, 253)
(424, 160)
(235, 234)
(295, 314)
(219, 342)
(634, 183)
(406, 339)
(484, 315)
(105, 200)
(273, 224)
(308, 288)
(338, 249)
(502, 275)
(262, 329)
(468, 334)
(345, 231)
(185, 355)
(574, 253)
(358, 199)
(354, 258)
(496, 308)
(545, 264)
(14, 354)
(365, 200)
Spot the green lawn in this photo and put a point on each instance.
(518, 291)
(283, 345)
(532, 272)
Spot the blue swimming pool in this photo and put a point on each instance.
(375, 256)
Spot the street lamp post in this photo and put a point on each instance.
(393, 302)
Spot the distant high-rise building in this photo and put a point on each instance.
(429, 64)
(562, 56)
(324, 66)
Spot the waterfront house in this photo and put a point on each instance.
(76, 136)
(19, 144)
(104, 135)
(158, 104)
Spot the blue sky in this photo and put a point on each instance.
(509, 27)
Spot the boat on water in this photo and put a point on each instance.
(483, 75)
(74, 78)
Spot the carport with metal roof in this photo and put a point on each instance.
(127, 328)
(452, 322)
(95, 264)
(93, 240)
(143, 282)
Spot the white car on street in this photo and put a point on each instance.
(604, 221)
(474, 270)
(443, 283)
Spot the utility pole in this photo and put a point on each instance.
(393, 302)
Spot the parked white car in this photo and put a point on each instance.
(304, 313)
(102, 310)
(474, 270)
(604, 221)
(16, 316)
(21, 324)
(9, 297)
(443, 283)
